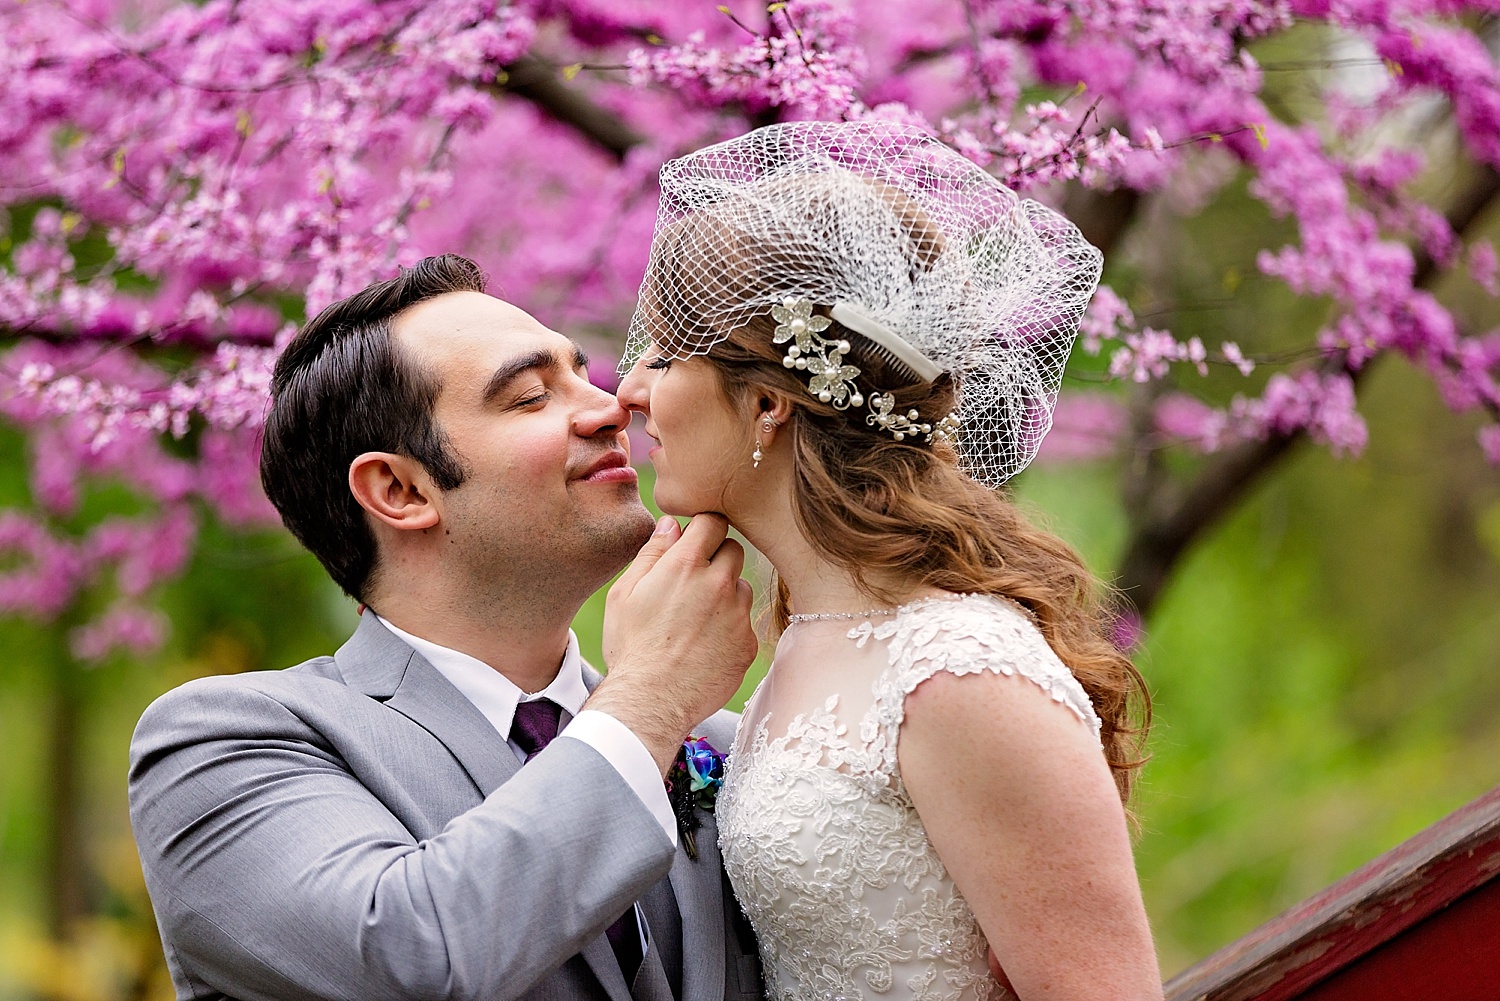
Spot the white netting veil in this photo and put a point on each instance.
(889, 232)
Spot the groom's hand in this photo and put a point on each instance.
(677, 634)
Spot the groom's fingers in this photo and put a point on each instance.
(702, 537)
(655, 548)
(706, 539)
(730, 557)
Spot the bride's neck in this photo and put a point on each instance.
(814, 582)
(816, 585)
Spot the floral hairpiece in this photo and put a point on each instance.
(909, 423)
(693, 781)
(833, 381)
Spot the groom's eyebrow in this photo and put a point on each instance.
(530, 362)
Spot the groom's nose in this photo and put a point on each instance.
(601, 414)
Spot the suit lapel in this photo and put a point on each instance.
(378, 663)
(601, 959)
(651, 982)
(699, 889)
(598, 954)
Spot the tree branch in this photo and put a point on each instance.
(1102, 216)
(1171, 520)
(535, 81)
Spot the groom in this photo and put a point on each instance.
(454, 805)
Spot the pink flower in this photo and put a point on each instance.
(1233, 355)
(270, 157)
(1127, 631)
(1489, 442)
(123, 627)
(1106, 319)
(42, 572)
(1483, 267)
(1322, 406)
(1085, 426)
(1191, 421)
(1150, 354)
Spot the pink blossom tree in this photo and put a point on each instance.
(185, 182)
(182, 183)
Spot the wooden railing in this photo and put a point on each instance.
(1419, 923)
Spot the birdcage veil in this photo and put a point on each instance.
(904, 241)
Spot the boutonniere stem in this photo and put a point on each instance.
(693, 783)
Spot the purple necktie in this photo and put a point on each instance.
(534, 726)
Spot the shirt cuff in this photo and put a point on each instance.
(627, 755)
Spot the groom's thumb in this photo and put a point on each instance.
(667, 532)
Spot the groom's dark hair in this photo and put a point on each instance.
(342, 387)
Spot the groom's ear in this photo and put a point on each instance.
(395, 489)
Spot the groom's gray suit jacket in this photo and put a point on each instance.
(353, 827)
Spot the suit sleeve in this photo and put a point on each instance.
(623, 749)
(276, 874)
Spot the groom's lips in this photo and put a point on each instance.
(611, 467)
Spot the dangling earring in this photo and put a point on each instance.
(767, 426)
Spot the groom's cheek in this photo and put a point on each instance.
(528, 464)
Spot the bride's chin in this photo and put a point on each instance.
(684, 500)
(669, 505)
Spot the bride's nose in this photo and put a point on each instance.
(632, 392)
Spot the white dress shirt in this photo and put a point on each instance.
(496, 697)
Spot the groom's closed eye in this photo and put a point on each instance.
(540, 361)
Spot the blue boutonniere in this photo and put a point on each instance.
(693, 783)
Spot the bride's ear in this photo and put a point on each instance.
(774, 405)
(394, 489)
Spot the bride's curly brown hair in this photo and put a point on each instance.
(902, 515)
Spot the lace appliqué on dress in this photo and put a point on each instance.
(968, 635)
(823, 846)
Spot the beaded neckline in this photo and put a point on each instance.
(871, 613)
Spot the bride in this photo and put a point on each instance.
(848, 336)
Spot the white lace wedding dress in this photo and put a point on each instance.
(820, 840)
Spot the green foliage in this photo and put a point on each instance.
(248, 601)
(1323, 668)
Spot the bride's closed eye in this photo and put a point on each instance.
(659, 362)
